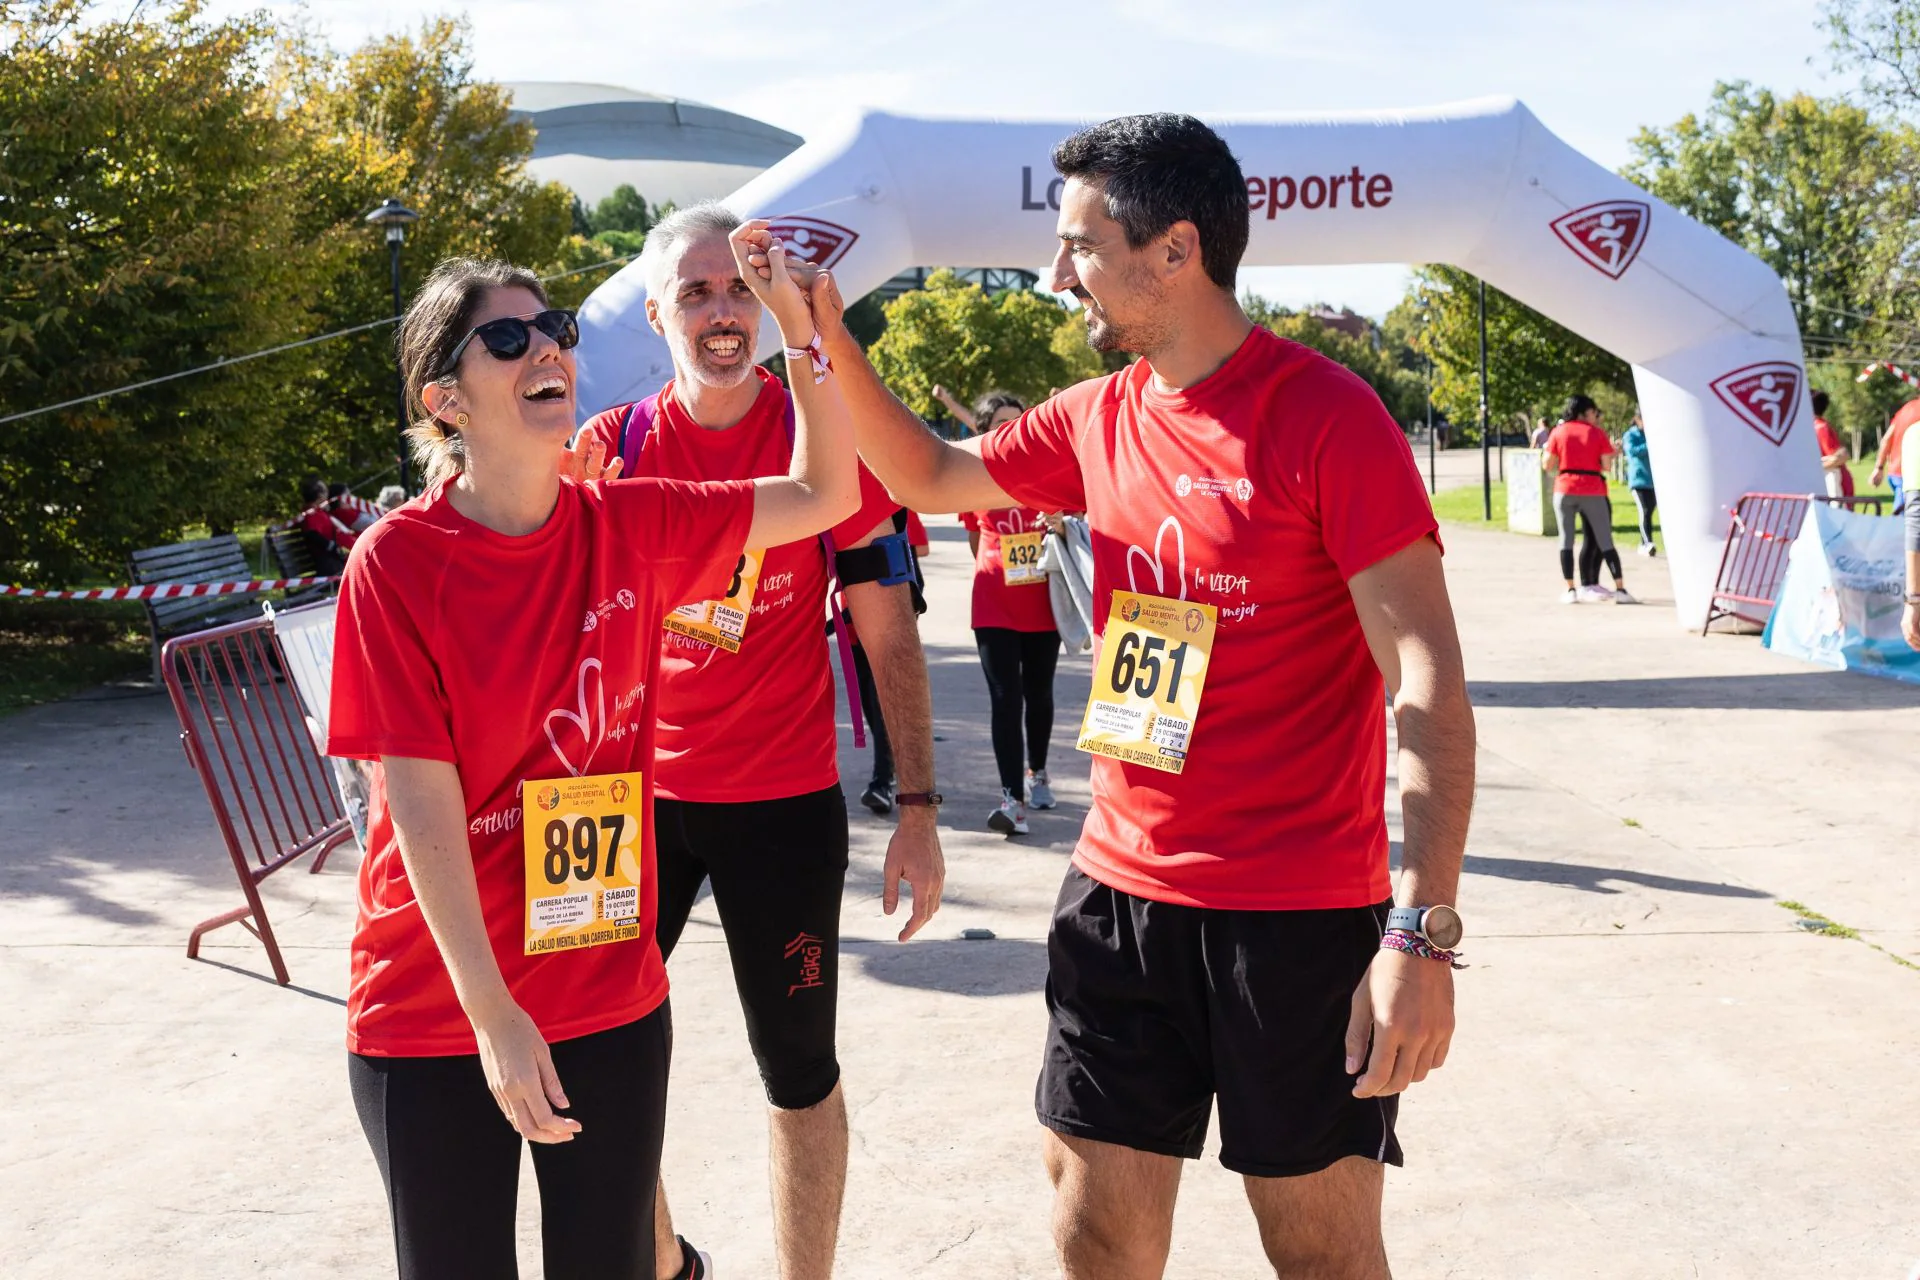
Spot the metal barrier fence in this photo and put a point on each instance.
(1754, 560)
(245, 736)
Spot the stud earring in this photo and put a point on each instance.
(460, 420)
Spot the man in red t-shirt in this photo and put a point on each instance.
(747, 785)
(326, 537)
(1266, 566)
(1887, 465)
(1575, 453)
(1834, 455)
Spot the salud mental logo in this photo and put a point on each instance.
(814, 241)
(1765, 396)
(1607, 236)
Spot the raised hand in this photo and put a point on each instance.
(763, 264)
(585, 460)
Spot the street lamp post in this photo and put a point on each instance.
(1433, 482)
(395, 216)
(1486, 454)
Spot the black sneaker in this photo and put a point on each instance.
(878, 797)
(694, 1265)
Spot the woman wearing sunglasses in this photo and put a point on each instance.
(495, 653)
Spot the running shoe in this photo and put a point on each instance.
(878, 797)
(1570, 596)
(1010, 819)
(1620, 596)
(694, 1265)
(1596, 595)
(1039, 794)
(1648, 549)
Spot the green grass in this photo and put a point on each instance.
(1463, 506)
(51, 649)
(1813, 922)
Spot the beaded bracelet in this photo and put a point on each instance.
(1415, 945)
(813, 352)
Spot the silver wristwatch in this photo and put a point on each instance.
(1439, 927)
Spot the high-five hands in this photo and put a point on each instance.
(821, 289)
(764, 265)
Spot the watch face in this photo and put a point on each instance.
(1443, 927)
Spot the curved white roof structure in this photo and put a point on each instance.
(593, 137)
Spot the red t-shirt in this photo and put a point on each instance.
(1261, 490)
(1580, 446)
(1905, 416)
(1829, 443)
(321, 523)
(515, 659)
(1027, 607)
(714, 744)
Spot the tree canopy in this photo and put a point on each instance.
(178, 191)
(954, 334)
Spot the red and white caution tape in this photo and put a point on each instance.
(1894, 369)
(166, 590)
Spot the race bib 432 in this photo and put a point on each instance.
(1020, 558)
(1148, 681)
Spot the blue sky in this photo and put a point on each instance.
(1593, 72)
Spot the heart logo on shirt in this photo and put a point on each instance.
(1158, 564)
(589, 721)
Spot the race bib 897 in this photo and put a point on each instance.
(582, 839)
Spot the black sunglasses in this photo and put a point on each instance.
(509, 337)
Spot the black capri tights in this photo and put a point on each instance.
(778, 868)
(1019, 667)
(451, 1161)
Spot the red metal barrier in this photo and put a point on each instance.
(1754, 559)
(244, 734)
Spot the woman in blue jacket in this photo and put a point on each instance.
(1640, 479)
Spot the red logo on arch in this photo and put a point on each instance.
(1606, 236)
(1765, 396)
(814, 241)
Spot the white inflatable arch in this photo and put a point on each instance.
(1483, 186)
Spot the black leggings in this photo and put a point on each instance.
(1648, 503)
(451, 1161)
(1019, 667)
(778, 868)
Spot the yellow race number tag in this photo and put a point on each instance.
(722, 622)
(583, 840)
(1020, 558)
(1148, 681)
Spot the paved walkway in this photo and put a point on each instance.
(1657, 1073)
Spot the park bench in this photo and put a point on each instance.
(217, 559)
(293, 553)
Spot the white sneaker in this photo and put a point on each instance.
(1648, 549)
(1620, 596)
(1039, 794)
(1596, 595)
(1010, 819)
(1570, 596)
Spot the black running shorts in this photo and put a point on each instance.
(777, 869)
(1156, 1010)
